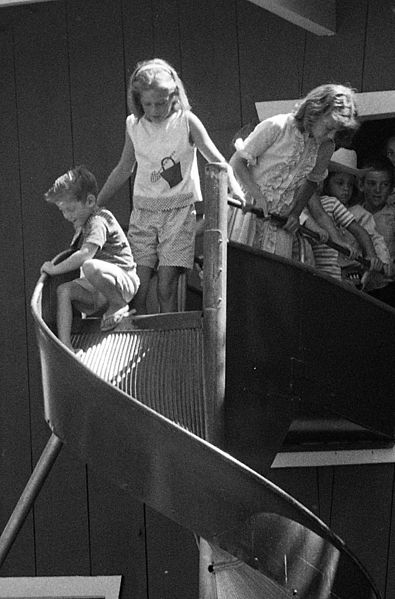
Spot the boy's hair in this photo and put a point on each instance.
(78, 181)
(379, 164)
(329, 99)
(155, 74)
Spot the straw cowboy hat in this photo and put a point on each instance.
(345, 161)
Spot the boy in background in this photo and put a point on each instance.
(376, 187)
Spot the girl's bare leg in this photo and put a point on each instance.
(140, 299)
(168, 287)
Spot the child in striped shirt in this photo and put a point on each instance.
(337, 191)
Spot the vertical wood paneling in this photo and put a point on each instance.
(117, 536)
(42, 97)
(379, 62)
(138, 33)
(325, 497)
(166, 32)
(98, 90)
(65, 101)
(390, 585)
(173, 559)
(300, 483)
(271, 54)
(61, 520)
(339, 58)
(15, 436)
(361, 514)
(209, 61)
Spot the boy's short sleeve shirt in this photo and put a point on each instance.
(103, 230)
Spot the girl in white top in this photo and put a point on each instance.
(162, 136)
(283, 160)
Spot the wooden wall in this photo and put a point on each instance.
(64, 67)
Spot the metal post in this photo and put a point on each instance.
(214, 299)
(29, 495)
(214, 331)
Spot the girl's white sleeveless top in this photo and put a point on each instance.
(167, 172)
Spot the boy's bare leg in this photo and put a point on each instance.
(68, 294)
(140, 299)
(100, 274)
(168, 288)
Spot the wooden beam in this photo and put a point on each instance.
(317, 17)
(371, 105)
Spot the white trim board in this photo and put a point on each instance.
(371, 105)
(316, 17)
(310, 459)
(4, 3)
(75, 587)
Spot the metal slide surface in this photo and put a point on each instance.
(269, 542)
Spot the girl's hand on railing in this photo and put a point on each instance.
(292, 224)
(324, 235)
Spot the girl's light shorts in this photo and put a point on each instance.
(126, 283)
(163, 237)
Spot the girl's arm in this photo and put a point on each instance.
(240, 167)
(73, 262)
(120, 174)
(209, 150)
(310, 184)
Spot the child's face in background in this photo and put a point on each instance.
(376, 187)
(157, 104)
(341, 186)
(75, 212)
(391, 150)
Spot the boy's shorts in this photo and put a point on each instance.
(126, 282)
(163, 238)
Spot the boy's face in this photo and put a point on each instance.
(391, 150)
(376, 187)
(75, 212)
(341, 185)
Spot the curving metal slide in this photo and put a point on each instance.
(152, 406)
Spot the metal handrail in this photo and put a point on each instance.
(281, 220)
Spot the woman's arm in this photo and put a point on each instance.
(120, 173)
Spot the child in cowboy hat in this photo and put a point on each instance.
(337, 191)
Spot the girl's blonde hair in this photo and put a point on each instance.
(155, 74)
(329, 99)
